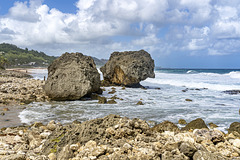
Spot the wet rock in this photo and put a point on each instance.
(112, 92)
(111, 102)
(71, 77)
(37, 124)
(195, 124)
(102, 100)
(94, 96)
(165, 126)
(232, 92)
(182, 121)
(128, 68)
(140, 103)
(114, 97)
(212, 125)
(188, 100)
(235, 129)
(5, 109)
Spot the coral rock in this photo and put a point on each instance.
(72, 76)
(128, 68)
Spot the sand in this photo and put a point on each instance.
(10, 119)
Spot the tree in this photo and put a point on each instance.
(3, 62)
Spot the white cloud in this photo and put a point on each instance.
(85, 4)
(227, 12)
(149, 40)
(214, 52)
(159, 26)
(21, 12)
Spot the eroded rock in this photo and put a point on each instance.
(128, 68)
(71, 77)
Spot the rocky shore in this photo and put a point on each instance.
(20, 91)
(111, 137)
(17, 90)
(115, 137)
(108, 138)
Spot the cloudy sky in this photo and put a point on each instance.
(177, 33)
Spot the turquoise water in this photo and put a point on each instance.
(204, 87)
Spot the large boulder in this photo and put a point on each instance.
(128, 68)
(72, 76)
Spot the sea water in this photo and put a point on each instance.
(164, 99)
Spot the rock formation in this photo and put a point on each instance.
(114, 137)
(195, 124)
(18, 91)
(128, 68)
(71, 77)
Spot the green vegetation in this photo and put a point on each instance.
(12, 56)
(3, 62)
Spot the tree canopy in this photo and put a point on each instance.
(13, 56)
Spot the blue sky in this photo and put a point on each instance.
(177, 33)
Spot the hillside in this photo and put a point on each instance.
(99, 62)
(13, 56)
(23, 57)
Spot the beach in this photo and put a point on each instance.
(137, 128)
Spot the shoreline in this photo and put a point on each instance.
(17, 89)
(25, 70)
(109, 137)
(11, 116)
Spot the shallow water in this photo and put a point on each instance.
(168, 103)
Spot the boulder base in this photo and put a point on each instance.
(128, 68)
(71, 77)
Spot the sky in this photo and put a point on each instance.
(177, 33)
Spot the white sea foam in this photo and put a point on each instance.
(212, 81)
(191, 72)
(235, 74)
(168, 103)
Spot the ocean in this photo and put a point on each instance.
(164, 99)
